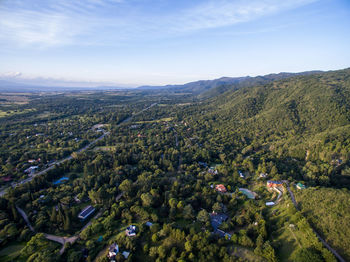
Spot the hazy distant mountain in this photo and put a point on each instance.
(202, 88)
(13, 86)
(210, 88)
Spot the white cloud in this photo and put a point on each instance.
(93, 22)
(219, 13)
(10, 74)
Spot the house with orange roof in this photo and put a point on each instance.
(221, 188)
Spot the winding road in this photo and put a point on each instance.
(25, 217)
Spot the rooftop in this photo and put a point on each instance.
(86, 212)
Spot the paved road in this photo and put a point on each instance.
(280, 193)
(143, 110)
(25, 217)
(61, 240)
(90, 222)
(335, 253)
(3, 192)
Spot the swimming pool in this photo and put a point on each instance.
(61, 180)
(247, 192)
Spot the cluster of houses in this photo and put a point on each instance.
(114, 250)
(278, 187)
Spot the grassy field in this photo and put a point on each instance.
(329, 211)
(6, 113)
(287, 238)
(105, 148)
(166, 119)
(245, 254)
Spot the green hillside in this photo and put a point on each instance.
(328, 211)
(305, 118)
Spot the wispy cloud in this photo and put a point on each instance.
(67, 22)
(219, 13)
(10, 75)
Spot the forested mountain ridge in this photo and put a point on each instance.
(305, 103)
(303, 117)
(204, 89)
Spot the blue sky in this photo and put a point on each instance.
(136, 42)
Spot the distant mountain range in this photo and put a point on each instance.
(202, 88)
(7, 86)
(210, 88)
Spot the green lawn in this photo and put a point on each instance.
(166, 119)
(287, 237)
(246, 254)
(14, 112)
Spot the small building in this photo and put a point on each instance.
(130, 231)
(76, 199)
(263, 175)
(126, 254)
(31, 170)
(221, 188)
(241, 174)
(149, 224)
(271, 183)
(270, 203)
(86, 212)
(213, 170)
(113, 251)
(300, 186)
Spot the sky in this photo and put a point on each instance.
(157, 42)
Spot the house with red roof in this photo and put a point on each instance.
(221, 188)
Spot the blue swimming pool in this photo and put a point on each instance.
(61, 180)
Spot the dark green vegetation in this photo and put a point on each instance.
(151, 166)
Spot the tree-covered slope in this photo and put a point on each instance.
(204, 89)
(303, 118)
(307, 104)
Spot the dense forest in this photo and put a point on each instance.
(189, 170)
